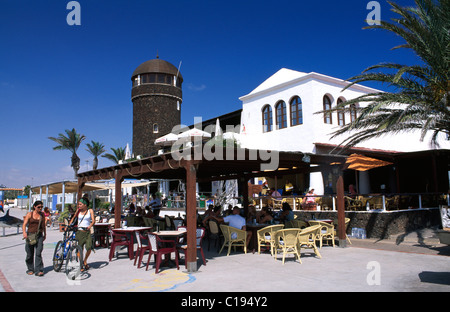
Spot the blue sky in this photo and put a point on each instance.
(55, 77)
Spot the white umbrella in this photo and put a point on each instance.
(166, 139)
(127, 152)
(231, 136)
(194, 133)
(218, 130)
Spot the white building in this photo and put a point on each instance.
(280, 115)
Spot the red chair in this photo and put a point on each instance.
(141, 248)
(200, 234)
(157, 249)
(119, 239)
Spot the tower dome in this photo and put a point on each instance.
(156, 66)
(156, 95)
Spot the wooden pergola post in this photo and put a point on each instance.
(341, 209)
(191, 217)
(118, 198)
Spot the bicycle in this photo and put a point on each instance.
(69, 251)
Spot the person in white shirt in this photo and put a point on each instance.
(237, 221)
(86, 220)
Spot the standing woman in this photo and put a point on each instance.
(86, 221)
(35, 221)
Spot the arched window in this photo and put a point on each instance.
(281, 115)
(155, 128)
(352, 112)
(340, 113)
(327, 107)
(267, 119)
(296, 111)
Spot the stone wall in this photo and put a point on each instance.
(381, 224)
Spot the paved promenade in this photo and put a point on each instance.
(406, 263)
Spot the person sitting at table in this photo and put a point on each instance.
(264, 216)
(139, 211)
(148, 212)
(237, 221)
(288, 188)
(131, 208)
(215, 212)
(251, 213)
(208, 212)
(309, 199)
(287, 214)
(229, 211)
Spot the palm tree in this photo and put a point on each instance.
(71, 142)
(421, 100)
(118, 154)
(95, 149)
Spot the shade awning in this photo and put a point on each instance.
(72, 187)
(364, 163)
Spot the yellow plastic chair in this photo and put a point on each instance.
(286, 241)
(277, 203)
(233, 237)
(266, 237)
(326, 231)
(307, 239)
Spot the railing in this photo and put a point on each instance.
(366, 202)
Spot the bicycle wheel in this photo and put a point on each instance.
(58, 256)
(74, 262)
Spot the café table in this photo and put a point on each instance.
(254, 227)
(131, 232)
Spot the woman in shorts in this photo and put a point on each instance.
(86, 221)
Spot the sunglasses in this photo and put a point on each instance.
(40, 207)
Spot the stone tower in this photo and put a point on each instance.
(156, 95)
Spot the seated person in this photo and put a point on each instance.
(264, 216)
(309, 199)
(237, 221)
(288, 188)
(251, 213)
(209, 212)
(148, 212)
(139, 211)
(214, 213)
(287, 214)
(229, 211)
